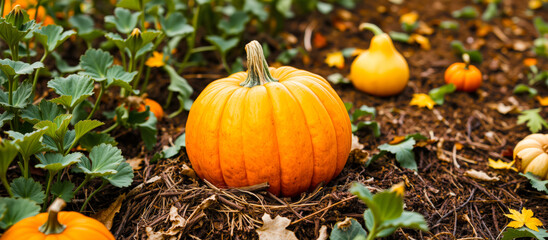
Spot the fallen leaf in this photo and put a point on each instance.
(188, 171)
(503, 109)
(535, 4)
(524, 218)
(319, 41)
(135, 163)
(323, 233)
(177, 224)
(396, 140)
(106, 216)
(335, 59)
(421, 40)
(521, 46)
(356, 143)
(424, 29)
(422, 100)
(499, 164)
(274, 229)
(542, 100)
(409, 18)
(480, 175)
(152, 235)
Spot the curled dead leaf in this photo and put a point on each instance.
(188, 171)
(323, 233)
(135, 163)
(356, 143)
(106, 215)
(480, 175)
(275, 229)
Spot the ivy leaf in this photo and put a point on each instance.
(177, 83)
(512, 233)
(95, 63)
(132, 4)
(103, 161)
(52, 36)
(407, 219)
(349, 229)
(541, 186)
(148, 131)
(175, 25)
(85, 26)
(21, 97)
(84, 126)
(522, 88)
(73, 89)
(55, 161)
(28, 188)
(17, 210)
(123, 177)
(404, 153)
(12, 68)
(4, 117)
(90, 140)
(63, 190)
(235, 24)
(63, 66)
(534, 121)
(438, 94)
(56, 129)
(46, 110)
(223, 45)
(123, 19)
(29, 143)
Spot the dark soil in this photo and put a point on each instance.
(454, 205)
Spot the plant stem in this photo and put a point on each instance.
(203, 49)
(110, 128)
(138, 77)
(86, 180)
(371, 27)
(191, 40)
(145, 83)
(2, 3)
(97, 101)
(52, 226)
(37, 73)
(6, 185)
(258, 72)
(51, 174)
(225, 64)
(92, 194)
(10, 90)
(26, 167)
(168, 100)
(36, 13)
(123, 56)
(373, 233)
(180, 110)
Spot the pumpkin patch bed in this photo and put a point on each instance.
(449, 137)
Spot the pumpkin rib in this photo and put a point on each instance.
(323, 150)
(296, 154)
(538, 166)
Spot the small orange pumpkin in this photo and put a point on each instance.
(464, 76)
(283, 126)
(154, 107)
(58, 225)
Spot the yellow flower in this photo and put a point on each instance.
(422, 100)
(335, 59)
(499, 164)
(524, 218)
(409, 18)
(398, 189)
(157, 60)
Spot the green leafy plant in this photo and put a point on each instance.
(468, 12)
(438, 94)
(355, 118)
(536, 183)
(540, 45)
(402, 149)
(383, 217)
(534, 121)
(459, 50)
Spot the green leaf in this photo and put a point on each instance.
(257, 8)
(399, 36)
(438, 94)
(176, 148)
(390, 205)
(73, 89)
(44, 111)
(116, 76)
(539, 185)
(361, 191)
(17, 210)
(350, 231)
(51, 144)
(221, 44)
(370, 221)
(467, 12)
(63, 190)
(12, 35)
(284, 8)
(177, 83)
(4, 117)
(27, 188)
(9, 151)
(534, 121)
(29, 143)
(149, 130)
(63, 66)
(512, 233)
(324, 8)
(123, 177)
(124, 20)
(132, 4)
(90, 140)
(364, 110)
(52, 36)
(404, 153)
(540, 25)
(56, 129)
(416, 136)
(373, 125)
(175, 25)
(449, 25)
(407, 220)
(235, 24)
(522, 88)
(21, 97)
(490, 12)
(337, 78)
(103, 161)
(3, 210)
(95, 63)
(83, 127)
(81, 111)
(55, 161)
(286, 56)
(12, 68)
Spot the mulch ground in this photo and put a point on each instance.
(454, 205)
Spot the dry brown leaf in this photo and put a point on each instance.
(356, 143)
(177, 224)
(396, 140)
(106, 216)
(323, 233)
(319, 41)
(480, 175)
(189, 172)
(424, 29)
(152, 235)
(521, 46)
(274, 229)
(135, 163)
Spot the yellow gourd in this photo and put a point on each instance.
(381, 70)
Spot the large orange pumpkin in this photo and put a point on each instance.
(58, 225)
(283, 126)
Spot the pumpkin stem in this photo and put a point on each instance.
(258, 72)
(53, 226)
(466, 59)
(371, 27)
